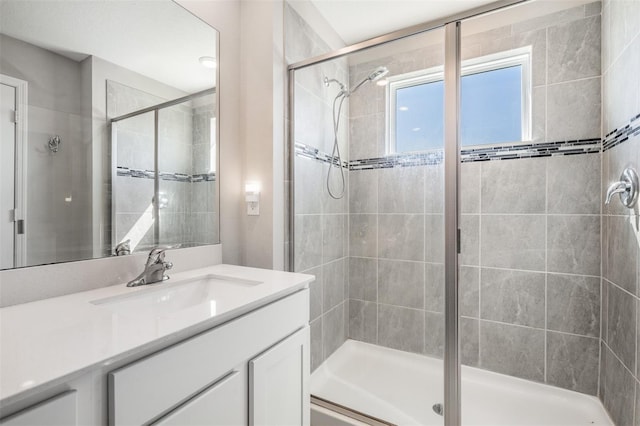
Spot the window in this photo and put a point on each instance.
(495, 104)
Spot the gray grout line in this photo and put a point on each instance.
(602, 307)
(622, 289)
(546, 267)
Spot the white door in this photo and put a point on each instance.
(279, 383)
(7, 175)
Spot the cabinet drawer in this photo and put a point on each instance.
(57, 411)
(222, 404)
(151, 387)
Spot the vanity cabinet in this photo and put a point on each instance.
(231, 348)
(57, 411)
(253, 369)
(278, 389)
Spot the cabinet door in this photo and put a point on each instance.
(58, 411)
(279, 383)
(222, 404)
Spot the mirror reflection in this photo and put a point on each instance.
(108, 129)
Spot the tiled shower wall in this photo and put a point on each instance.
(320, 221)
(530, 279)
(620, 349)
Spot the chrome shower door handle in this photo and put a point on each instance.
(627, 187)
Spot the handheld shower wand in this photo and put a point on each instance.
(375, 75)
(344, 93)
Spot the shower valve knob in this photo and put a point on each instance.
(627, 187)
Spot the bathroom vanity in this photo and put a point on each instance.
(222, 345)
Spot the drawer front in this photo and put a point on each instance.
(222, 404)
(57, 411)
(144, 390)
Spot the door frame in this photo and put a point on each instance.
(20, 182)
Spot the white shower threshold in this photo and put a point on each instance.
(401, 388)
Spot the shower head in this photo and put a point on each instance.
(375, 75)
(378, 73)
(328, 81)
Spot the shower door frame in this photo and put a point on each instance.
(452, 63)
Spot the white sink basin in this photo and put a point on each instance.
(162, 299)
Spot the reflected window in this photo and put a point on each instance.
(495, 104)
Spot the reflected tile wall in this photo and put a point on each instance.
(184, 147)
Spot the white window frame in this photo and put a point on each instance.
(505, 59)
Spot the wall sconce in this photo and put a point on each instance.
(252, 197)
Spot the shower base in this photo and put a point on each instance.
(401, 388)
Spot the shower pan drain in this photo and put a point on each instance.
(438, 409)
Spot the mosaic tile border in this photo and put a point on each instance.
(503, 152)
(307, 151)
(429, 158)
(177, 177)
(532, 150)
(618, 136)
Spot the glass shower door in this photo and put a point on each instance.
(530, 215)
(133, 144)
(375, 244)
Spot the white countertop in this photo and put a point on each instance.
(49, 340)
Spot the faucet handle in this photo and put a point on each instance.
(156, 256)
(627, 187)
(616, 188)
(123, 248)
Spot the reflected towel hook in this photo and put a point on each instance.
(54, 143)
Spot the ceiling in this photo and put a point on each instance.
(158, 39)
(358, 20)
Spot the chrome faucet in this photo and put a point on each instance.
(154, 270)
(123, 248)
(627, 187)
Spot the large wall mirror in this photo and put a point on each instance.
(109, 140)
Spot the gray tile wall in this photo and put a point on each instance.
(620, 342)
(530, 274)
(321, 223)
(531, 237)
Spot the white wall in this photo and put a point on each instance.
(262, 130)
(252, 93)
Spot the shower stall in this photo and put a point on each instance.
(164, 170)
(465, 267)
